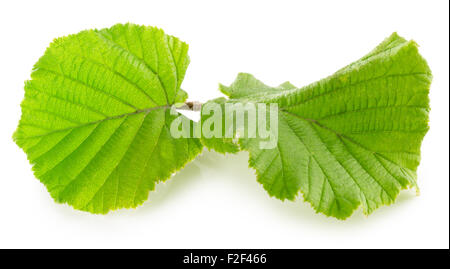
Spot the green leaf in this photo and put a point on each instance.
(220, 144)
(95, 118)
(350, 139)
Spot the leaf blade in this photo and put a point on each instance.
(95, 117)
(350, 139)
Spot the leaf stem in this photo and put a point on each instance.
(192, 106)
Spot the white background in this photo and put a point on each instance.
(215, 202)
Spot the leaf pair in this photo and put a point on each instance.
(96, 123)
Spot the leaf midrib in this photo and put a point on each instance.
(139, 111)
(341, 136)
